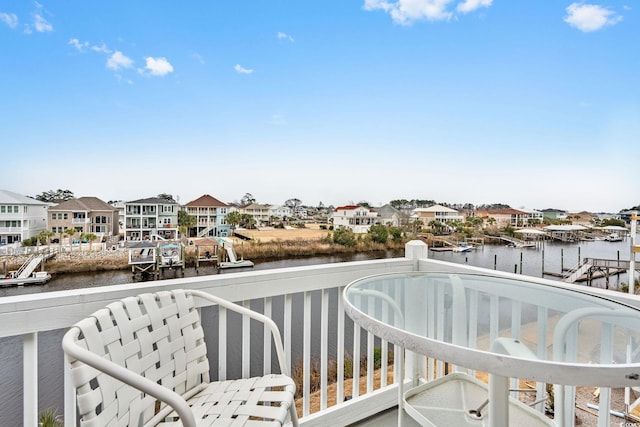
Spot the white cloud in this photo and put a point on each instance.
(404, 12)
(241, 70)
(284, 36)
(590, 17)
(80, 46)
(41, 25)
(198, 57)
(118, 61)
(100, 49)
(10, 19)
(470, 5)
(158, 66)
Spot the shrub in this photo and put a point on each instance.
(378, 233)
(344, 237)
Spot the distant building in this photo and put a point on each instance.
(554, 214)
(280, 211)
(505, 217)
(438, 213)
(388, 215)
(356, 218)
(85, 215)
(150, 219)
(260, 213)
(210, 214)
(21, 217)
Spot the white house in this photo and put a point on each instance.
(280, 211)
(21, 217)
(439, 213)
(147, 219)
(356, 218)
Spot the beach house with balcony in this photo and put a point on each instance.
(356, 218)
(21, 217)
(505, 217)
(439, 213)
(85, 215)
(259, 212)
(150, 219)
(210, 214)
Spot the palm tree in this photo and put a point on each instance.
(70, 232)
(90, 238)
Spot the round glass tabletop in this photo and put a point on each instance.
(507, 326)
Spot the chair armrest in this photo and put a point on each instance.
(171, 398)
(275, 332)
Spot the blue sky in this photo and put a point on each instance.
(534, 104)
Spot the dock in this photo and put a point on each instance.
(27, 274)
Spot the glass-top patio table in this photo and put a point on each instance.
(506, 327)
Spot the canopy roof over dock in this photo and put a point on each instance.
(531, 231)
(566, 227)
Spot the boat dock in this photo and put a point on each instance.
(27, 274)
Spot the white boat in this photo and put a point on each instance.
(613, 237)
(462, 247)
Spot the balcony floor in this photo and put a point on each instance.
(385, 419)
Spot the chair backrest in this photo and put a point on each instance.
(158, 336)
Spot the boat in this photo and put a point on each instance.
(462, 247)
(613, 237)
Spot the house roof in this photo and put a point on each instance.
(352, 207)
(256, 206)
(508, 211)
(153, 201)
(9, 197)
(435, 208)
(83, 204)
(206, 201)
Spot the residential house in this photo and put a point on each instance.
(260, 213)
(85, 215)
(21, 217)
(280, 211)
(150, 219)
(504, 217)
(388, 215)
(554, 214)
(210, 214)
(438, 213)
(356, 218)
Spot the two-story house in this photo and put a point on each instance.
(85, 215)
(356, 218)
(150, 219)
(259, 212)
(438, 213)
(210, 214)
(504, 217)
(21, 217)
(281, 212)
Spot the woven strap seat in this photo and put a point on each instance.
(260, 401)
(143, 360)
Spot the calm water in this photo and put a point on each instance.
(528, 261)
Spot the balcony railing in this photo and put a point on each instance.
(305, 302)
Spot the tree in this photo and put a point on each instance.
(89, 237)
(233, 219)
(293, 204)
(247, 199)
(70, 232)
(167, 197)
(57, 196)
(378, 233)
(44, 236)
(345, 237)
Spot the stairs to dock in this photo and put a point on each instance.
(30, 265)
(575, 273)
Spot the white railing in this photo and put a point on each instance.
(305, 302)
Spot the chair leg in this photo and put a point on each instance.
(294, 415)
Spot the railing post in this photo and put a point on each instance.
(416, 250)
(30, 373)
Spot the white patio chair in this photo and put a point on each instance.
(142, 361)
